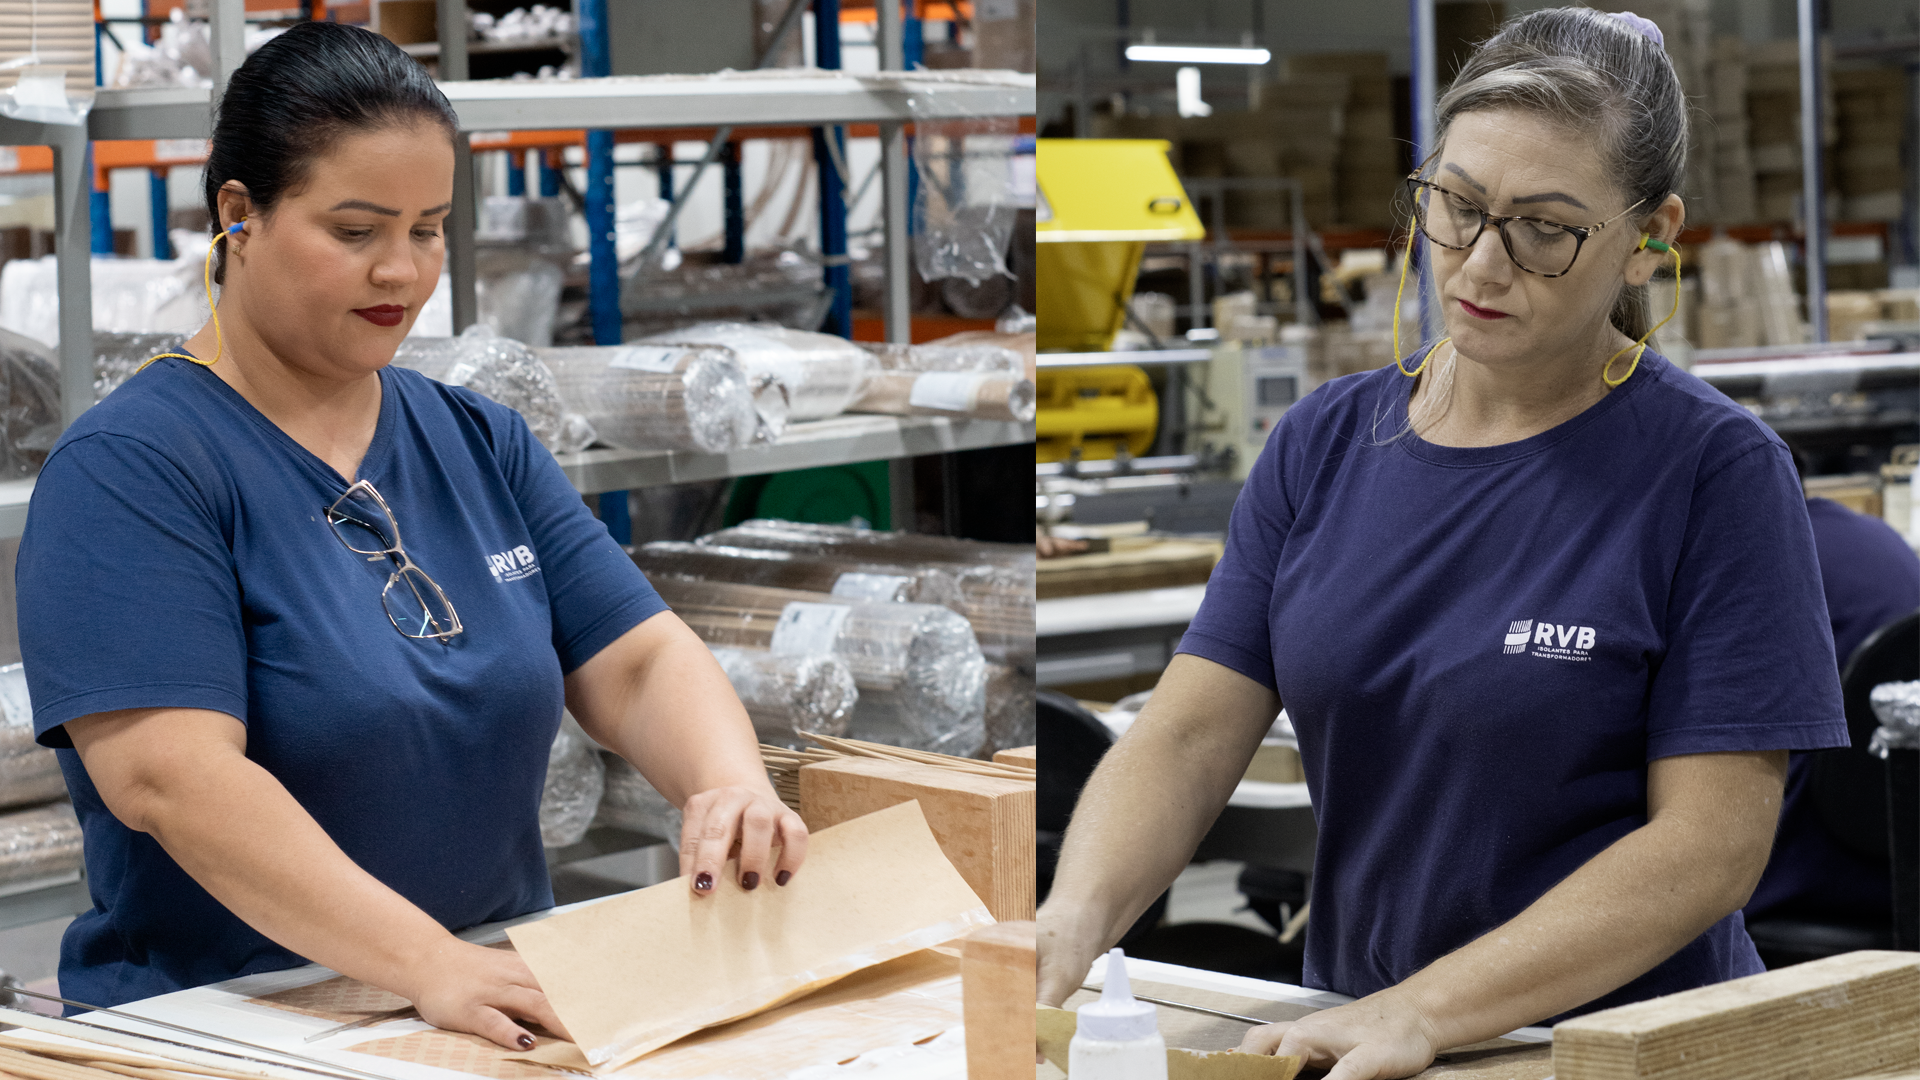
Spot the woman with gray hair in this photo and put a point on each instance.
(1542, 607)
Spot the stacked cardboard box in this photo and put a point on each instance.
(1371, 164)
(1871, 106)
(1728, 139)
(1773, 124)
(1685, 29)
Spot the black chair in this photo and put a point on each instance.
(1071, 742)
(1849, 794)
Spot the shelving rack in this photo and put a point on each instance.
(892, 100)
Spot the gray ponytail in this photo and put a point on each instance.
(1590, 73)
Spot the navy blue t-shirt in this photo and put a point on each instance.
(1481, 649)
(177, 554)
(1871, 578)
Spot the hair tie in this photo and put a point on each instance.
(1645, 26)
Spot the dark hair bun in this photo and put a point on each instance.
(298, 94)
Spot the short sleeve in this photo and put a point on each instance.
(126, 588)
(1231, 628)
(1749, 663)
(595, 591)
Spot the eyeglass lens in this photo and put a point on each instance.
(417, 606)
(1452, 221)
(363, 524)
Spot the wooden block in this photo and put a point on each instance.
(998, 971)
(1846, 1015)
(1027, 756)
(984, 823)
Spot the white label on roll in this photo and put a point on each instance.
(658, 358)
(880, 588)
(14, 702)
(808, 629)
(949, 390)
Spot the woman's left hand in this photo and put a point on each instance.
(754, 819)
(1382, 1037)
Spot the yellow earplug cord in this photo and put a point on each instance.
(219, 343)
(1397, 362)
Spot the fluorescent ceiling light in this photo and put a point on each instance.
(1198, 54)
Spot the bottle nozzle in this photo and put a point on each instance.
(1117, 1016)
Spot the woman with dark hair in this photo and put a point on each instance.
(302, 624)
(1543, 609)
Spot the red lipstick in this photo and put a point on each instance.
(384, 315)
(1483, 313)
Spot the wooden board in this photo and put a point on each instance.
(999, 966)
(984, 823)
(1026, 756)
(1133, 563)
(1847, 1015)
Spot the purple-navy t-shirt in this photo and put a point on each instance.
(1481, 649)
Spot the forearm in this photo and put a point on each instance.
(237, 831)
(1157, 792)
(670, 711)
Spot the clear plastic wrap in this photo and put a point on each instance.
(116, 356)
(521, 251)
(129, 295)
(996, 581)
(632, 804)
(506, 371)
(921, 676)
(781, 287)
(29, 772)
(1010, 718)
(1897, 706)
(975, 356)
(576, 777)
(39, 843)
(30, 419)
(823, 374)
(963, 212)
(787, 695)
(668, 397)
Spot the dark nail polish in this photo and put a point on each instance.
(749, 881)
(703, 882)
(525, 1041)
(783, 877)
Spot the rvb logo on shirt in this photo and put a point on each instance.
(1550, 640)
(513, 565)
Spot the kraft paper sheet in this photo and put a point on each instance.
(635, 973)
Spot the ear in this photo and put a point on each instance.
(1664, 226)
(234, 206)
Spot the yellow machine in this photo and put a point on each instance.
(1095, 410)
(1100, 202)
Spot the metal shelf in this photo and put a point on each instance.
(788, 97)
(839, 441)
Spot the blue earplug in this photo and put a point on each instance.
(236, 227)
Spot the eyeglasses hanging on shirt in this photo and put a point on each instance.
(415, 605)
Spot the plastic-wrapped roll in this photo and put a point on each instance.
(654, 397)
(39, 843)
(978, 395)
(1010, 716)
(117, 356)
(575, 779)
(847, 578)
(632, 804)
(823, 374)
(922, 679)
(787, 696)
(996, 581)
(961, 356)
(506, 371)
(29, 772)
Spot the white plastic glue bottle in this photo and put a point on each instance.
(1117, 1037)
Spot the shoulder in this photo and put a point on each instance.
(1837, 528)
(170, 412)
(430, 405)
(1683, 419)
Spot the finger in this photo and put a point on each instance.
(491, 1023)
(1360, 1063)
(756, 842)
(793, 847)
(1264, 1039)
(532, 1006)
(720, 819)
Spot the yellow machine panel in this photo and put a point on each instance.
(1095, 410)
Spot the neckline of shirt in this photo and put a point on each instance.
(1652, 368)
(371, 462)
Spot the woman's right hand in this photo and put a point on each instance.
(464, 987)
